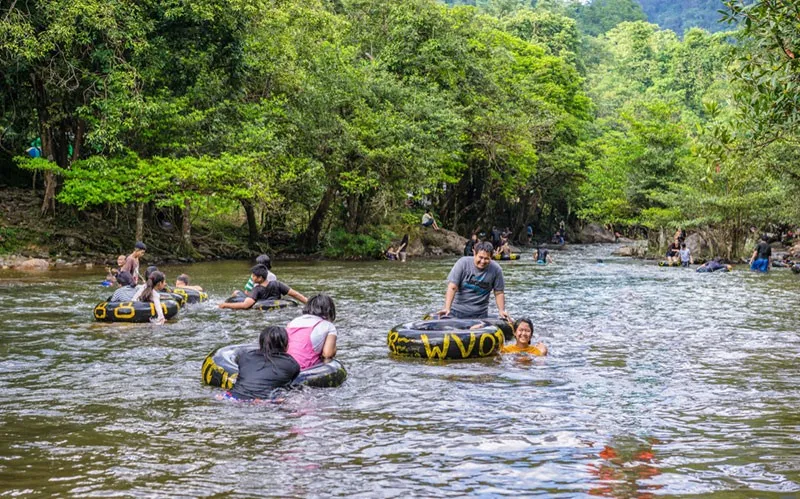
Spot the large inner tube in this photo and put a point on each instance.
(265, 305)
(512, 256)
(222, 366)
(506, 327)
(669, 264)
(176, 297)
(191, 296)
(133, 311)
(446, 339)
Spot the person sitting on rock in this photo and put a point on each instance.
(263, 290)
(428, 220)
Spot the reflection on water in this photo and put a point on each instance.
(660, 381)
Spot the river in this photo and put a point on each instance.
(659, 381)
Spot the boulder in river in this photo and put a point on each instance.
(698, 245)
(33, 264)
(636, 250)
(436, 242)
(595, 233)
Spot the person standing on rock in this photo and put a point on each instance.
(132, 261)
(470, 282)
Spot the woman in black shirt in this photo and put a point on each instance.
(263, 371)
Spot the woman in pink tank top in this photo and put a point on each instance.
(312, 336)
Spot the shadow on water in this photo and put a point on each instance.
(661, 381)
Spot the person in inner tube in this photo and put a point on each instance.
(469, 284)
(248, 288)
(274, 290)
(264, 371)
(182, 281)
(126, 290)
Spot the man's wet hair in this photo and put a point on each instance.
(260, 271)
(484, 246)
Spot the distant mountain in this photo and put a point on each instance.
(680, 15)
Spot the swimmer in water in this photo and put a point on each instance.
(542, 256)
(523, 332)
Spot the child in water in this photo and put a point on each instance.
(523, 331)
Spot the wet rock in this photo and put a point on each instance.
(436, 242)
(595, 233)
(638, 251)
(33, 264)
(89, 265)
(698, 244)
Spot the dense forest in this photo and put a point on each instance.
(317, 123)
(680, 15)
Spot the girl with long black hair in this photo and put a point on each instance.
(263, 371)
(156, 282)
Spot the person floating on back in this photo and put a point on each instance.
(762, 254)
(263, 290)
(470, 282)
(713, 266)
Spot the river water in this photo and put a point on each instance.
(660, 381)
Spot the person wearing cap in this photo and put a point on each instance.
(132, 261)
(126, 290)
(470, 282)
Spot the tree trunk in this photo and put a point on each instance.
(139, 221)
(186, 228)
(252, 225)
(309, 240)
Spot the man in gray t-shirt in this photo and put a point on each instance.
(469, 284)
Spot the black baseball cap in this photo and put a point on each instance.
(140, 246)
(124, 278)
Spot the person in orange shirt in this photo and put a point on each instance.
(523, 331)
